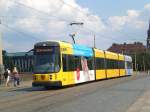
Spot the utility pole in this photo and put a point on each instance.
(1, 58)
(135, 62)
(143, 63)
(74, 34)
(94, 42)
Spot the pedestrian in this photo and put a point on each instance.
(16, 77)
(148, 72)
(7, 76)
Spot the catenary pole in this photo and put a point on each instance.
(1, 58)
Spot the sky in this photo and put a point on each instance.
(107, 8)
(25, 22)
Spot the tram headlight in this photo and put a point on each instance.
(50, 77)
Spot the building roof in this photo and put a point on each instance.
(19, 54)
(127, 48)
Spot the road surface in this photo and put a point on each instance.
(114, 95)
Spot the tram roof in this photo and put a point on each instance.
(59, 43)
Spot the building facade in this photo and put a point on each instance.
(22, 60)
(128, 49)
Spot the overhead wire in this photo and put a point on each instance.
(61, 19)
(74, 8)
(24, 17)
(41, 12)
(19, 32)
(18, 3)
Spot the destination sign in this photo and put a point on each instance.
(44, 50)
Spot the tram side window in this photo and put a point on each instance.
(100, 63)
(121, 64)
(116, 64)
(77, 62)
(109, 64)
(90, 63)
(68, 63)
(112, 64)
(64, 60)
(71, 63)
(129, 65)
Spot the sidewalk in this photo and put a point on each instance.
(25, 80)
(142, 104)
(23, 84)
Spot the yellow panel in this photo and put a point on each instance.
(71, 78)
(121, 57)
(67, 78)
(100, 74)
(41, 77)
(112, 73)
(111, 55)
(122, 72)
(64, 78)
(66, 48)
(99, 53)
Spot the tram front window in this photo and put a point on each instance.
(47, 63)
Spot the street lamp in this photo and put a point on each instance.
(76, 23)
(72, 36)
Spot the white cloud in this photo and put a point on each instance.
(4, 5)
(147, 6)
(46, 6)
(59, 14)
(132, 19)
(117, 22)
(31, 24)
(133, 13)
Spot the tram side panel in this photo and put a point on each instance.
(84, 70)
(100, 70)
(66, 74)
(78, 65)
(111, 64)
(121, 65)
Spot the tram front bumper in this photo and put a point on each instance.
(47, 83)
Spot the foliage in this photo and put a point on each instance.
(142, 61)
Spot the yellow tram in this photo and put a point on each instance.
(60, 64)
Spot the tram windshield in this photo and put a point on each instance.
(47, 60)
